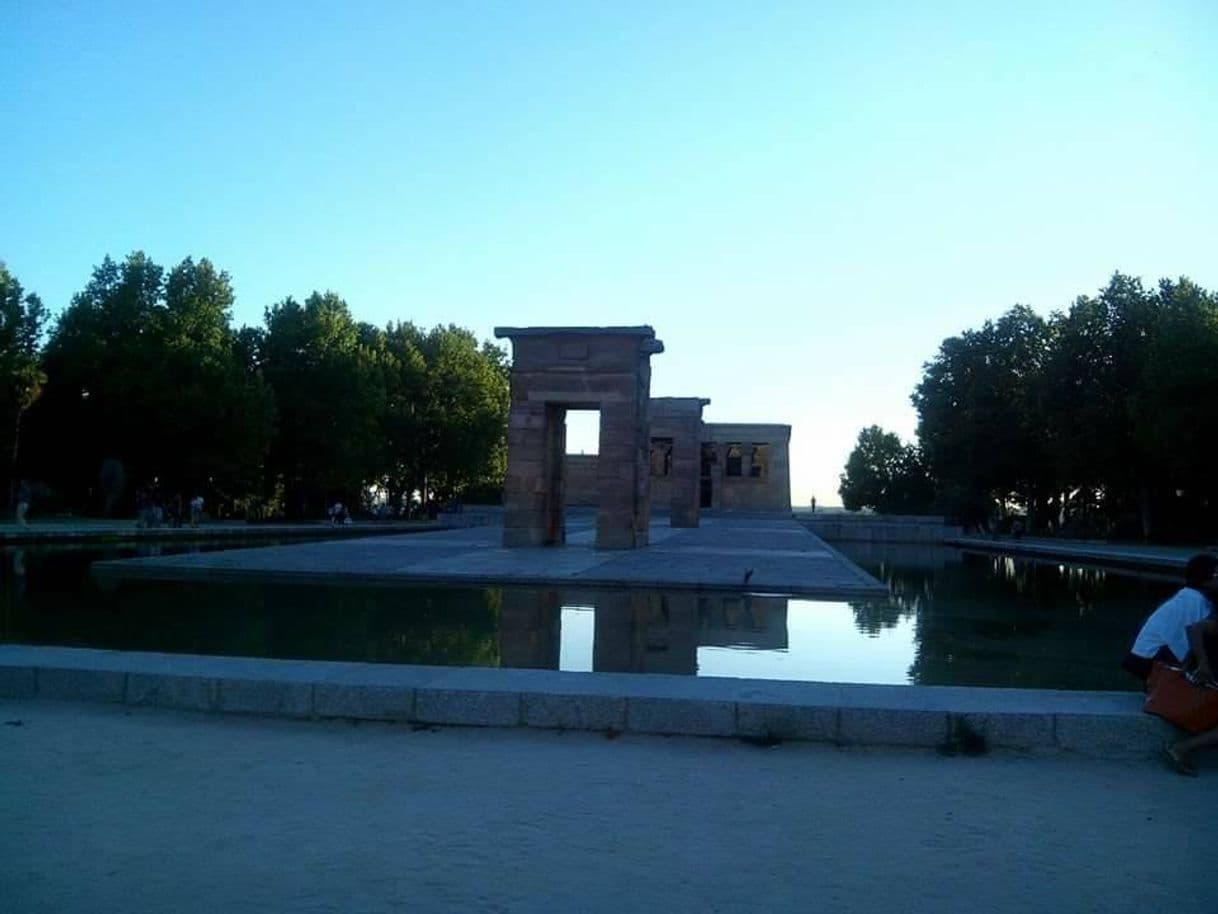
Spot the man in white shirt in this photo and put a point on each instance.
(1164, 635)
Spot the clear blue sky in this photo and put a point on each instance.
(803, 199)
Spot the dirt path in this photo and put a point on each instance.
(110, 810)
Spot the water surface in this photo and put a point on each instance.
(951, 618)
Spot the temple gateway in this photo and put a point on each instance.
(652, 451)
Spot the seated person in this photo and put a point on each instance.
(1164, 635)
(1203, 637)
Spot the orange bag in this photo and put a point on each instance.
(1172, 695)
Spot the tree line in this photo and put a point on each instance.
(1101, 420)
(143, 385)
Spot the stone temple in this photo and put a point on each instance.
(651, 451)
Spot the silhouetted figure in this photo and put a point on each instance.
(24, 493)
(142, 510)
(747, 575)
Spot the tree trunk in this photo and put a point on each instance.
(1144, 510)
(12, 470)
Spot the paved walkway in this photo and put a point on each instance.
(110, 810)
(776, 555)
(1169, 559)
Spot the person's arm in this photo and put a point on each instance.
(1196, 641)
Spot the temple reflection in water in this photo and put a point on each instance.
(633, 632)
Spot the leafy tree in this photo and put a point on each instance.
(329, 392)
(445, 413)
(99, 363)
(1106, 414)
(1093, 380)
(217, 414)
(885, 475)
(21, 322)
(405, 417)
(152, 386)
(465, 441)
(979, 419)
(146, 375)
(1175, 409)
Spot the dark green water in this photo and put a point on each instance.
(952, 618)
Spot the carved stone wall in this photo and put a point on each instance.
(676, 440)
(759, 478)
(749, 467)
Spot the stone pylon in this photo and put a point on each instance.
(555, 369)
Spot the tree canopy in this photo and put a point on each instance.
(150, 388)
(143, 370)
(22, 317)
(1099, 420)
(885, 475)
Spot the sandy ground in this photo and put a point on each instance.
(109, 809)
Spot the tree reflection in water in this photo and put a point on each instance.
(62, 605)
(993, 620)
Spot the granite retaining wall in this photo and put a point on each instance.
(952, 718)
(838, 527)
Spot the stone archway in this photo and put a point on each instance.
(555, 369)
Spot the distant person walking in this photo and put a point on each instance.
(24, 493)
(196, 510)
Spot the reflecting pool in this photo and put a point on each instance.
(951, 618)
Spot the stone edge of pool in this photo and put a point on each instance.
(1109, 724)
(51, 534)
(120, 570)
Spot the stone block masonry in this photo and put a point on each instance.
(555, 369)
(1107, 724)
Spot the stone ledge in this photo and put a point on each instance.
(1080, 552)
(1091, 723)
(128, 532)
(642, 330)
(786, 557)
